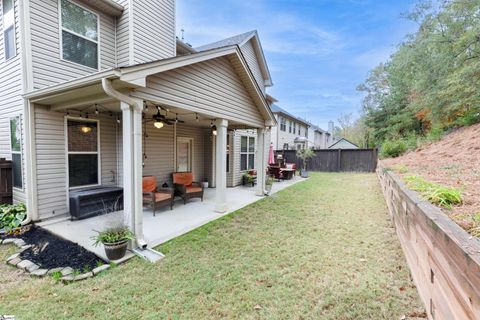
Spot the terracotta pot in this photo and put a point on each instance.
(115, 251)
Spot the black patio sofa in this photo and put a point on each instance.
(91, 202)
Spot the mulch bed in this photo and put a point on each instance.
(50, 251)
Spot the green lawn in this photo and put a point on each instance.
(321, 249)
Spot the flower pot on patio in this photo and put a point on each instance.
(115, 241)
(115, 251)
(205, 184)
(304, 173)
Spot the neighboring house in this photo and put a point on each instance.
(101, 93)
(343, 144)
(291, 133)
(319, 138)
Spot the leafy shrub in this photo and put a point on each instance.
(393, 148)
(12, 216)
(437, 194)
(113, 235)
(468, 119)
(435, 134)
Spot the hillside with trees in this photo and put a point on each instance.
(431, 84)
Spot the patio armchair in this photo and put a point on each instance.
(185, 187)
(275, 172)
(154, 197)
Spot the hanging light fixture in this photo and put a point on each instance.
(214, 130)
(158, 121)
(86, 129)
(196, 117)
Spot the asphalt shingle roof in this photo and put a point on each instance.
(235, 40)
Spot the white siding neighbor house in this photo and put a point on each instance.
(96, 95)
(291, 133)
(343, 144)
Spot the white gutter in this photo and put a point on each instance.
(137, 153)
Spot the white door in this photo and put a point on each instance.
(184, 154)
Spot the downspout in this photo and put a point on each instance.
(112, 92)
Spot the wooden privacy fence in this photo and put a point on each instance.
(336, 160)
(444, 259)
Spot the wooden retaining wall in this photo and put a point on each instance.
(444, 260)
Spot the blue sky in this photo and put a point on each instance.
(318, 51)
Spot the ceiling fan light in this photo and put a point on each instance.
(158, 124)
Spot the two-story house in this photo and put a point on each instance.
(291, 133)
(101, 93)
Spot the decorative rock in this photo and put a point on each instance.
(33, 267)
(19, 242)
(8, 240)
(66, 271)
(15, 261)
(39, 273)
(101, 268)
(24, 264)
(83, 276)
(13, 256)
(54, 270)
(68, 278)
(27, 246)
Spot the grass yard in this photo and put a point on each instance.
(321, 249)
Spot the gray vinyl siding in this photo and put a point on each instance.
(153, 30)
(48, 68)
(198, 136)
(11, 97)
(51, 159)
(123, 36)
(160, 153)
(211, 87)
(252, 61)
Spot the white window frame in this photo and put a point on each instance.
(61, 28)
(294, 128)
(17, 152)
(289, 126)
(248, 152)
(191, 152)
(98, 153)
(283, 124)
(4, 28)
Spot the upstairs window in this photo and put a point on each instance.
(289, 126)
(247, 153)
(9, 29)
(16, 150)
(283, 124)
(79, 35)
(83, 155)
(294, 128)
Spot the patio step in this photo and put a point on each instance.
(149, 254)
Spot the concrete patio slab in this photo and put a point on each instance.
(166, 224)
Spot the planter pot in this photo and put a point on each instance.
(115, 251)
(205, 184)
(304, 173)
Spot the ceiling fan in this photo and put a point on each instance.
(159, 119)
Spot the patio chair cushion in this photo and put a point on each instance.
(184, 178)
(149, 184)
(194, 189)
(162, 196)
(290, 166)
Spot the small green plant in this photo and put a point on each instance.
(12, 216)
(113, 236)
(86, 269)
(437, 194)
(435, 134)
(57, 275)
(401, 168)
(269, 180)
(393, 148)
(99, 263)
(248, 178)
(305, 155)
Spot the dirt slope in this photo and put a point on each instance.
(452, 161)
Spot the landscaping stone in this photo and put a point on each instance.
(101, 268)
(15, 261)
(32, 267)
(68, 278)
(8, 240)
(66, 271)
(27, 246)
(13, 256)
(83, 276)
(19, 242)
(24, 264)
(39, 273)
(54, 270)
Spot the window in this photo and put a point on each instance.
(16, 150)
(283, 124)
(83, 156)
(247, 153)
(9, 29)
(289, 126)
(294, 128)
(285, 146)
(79, 35)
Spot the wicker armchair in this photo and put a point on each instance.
(154, 197)
(185, 187)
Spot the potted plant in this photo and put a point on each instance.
(305, 155)
(268, 184)
(115, 241)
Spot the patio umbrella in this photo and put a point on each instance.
(271, 158)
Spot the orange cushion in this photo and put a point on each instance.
(185, 178)
(149, 184)
(193, 189)
(161, 196)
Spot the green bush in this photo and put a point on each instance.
(435, 193)
(12, 216)
(468, 119)
(393, 148)
(435, 134)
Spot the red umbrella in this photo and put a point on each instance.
(271, 158)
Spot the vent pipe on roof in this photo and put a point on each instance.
(330, 127)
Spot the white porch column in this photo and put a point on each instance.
(221, 166)
(260, 162)
(138, 172)
(127, 142)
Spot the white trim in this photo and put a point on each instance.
(191, 153)
(17, 115)
(248, 152)
(67, 153)
(61, 29)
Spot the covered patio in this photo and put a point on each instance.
(166, 224)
